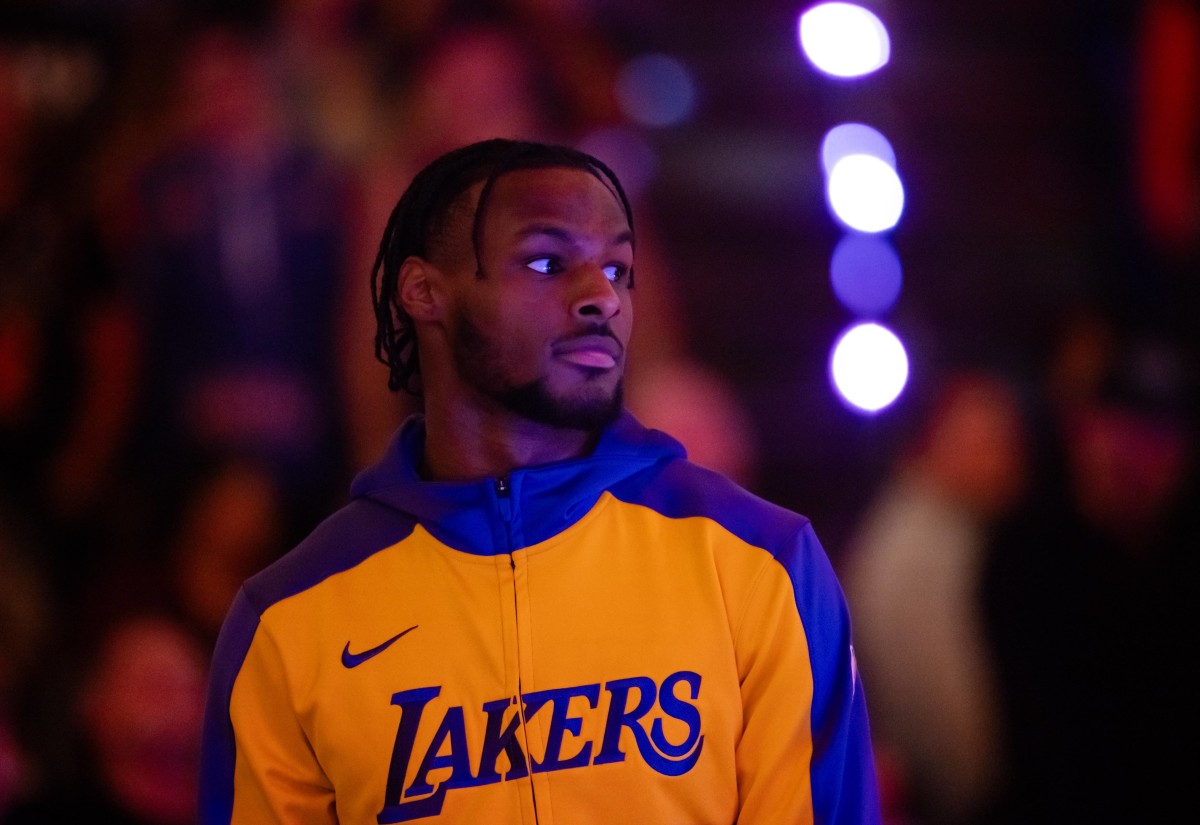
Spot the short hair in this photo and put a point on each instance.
(421, 217)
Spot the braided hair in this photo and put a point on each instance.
(420, 219)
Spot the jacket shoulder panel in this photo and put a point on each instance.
(681, 489)
(344, 540)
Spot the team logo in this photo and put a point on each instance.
(630, 706)
(350, 660)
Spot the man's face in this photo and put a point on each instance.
(543, 333)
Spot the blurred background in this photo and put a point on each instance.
(191, 196)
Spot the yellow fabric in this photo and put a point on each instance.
(624, 594)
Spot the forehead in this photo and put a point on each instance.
(555, 195)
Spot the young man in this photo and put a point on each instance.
(534, 610)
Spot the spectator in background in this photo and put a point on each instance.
(912, 576)
(67, 343)
(239, 261)
(1090, 591)
(217, 520)
(230, 526)
(129, 662)
(325, 75)
(135, 712)
(579, 49)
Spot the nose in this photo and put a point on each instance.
(596, 297)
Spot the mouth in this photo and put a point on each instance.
(591, 351)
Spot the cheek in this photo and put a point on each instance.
(622, 323)
(520, 334)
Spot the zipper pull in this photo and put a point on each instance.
(504, 496)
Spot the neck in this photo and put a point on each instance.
(463, 443)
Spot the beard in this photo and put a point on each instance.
(590, 410)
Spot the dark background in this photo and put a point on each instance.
(128, 522)
(1011, 123)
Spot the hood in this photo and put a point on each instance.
(538, 502)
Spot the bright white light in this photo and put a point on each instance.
(854, 139)
(656, 90)
(868, 367)
(843, 39)
(865, 193)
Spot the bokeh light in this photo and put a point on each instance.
(656, 90)
(865, 193)
(868, 367)
(866, 275)
(843, 40)
(854, 139)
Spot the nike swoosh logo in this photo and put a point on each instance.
(350, 660)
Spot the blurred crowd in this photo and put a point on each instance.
(1023, 583)
(191, 197)
(1023, 587)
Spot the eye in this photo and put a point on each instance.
(615, 272)
(546, 266)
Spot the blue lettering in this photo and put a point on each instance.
(449, 747)
(619, 717)
(496, 741)
(412, 705)
(660, 754)
(560, 723)
(689, 714)
(458, 760)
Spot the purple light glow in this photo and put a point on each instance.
(866, 275)
(656, 90)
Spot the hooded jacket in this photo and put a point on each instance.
(625, 637)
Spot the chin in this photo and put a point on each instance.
(589, 409)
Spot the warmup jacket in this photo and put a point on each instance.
(621, 638)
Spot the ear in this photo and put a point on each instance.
(420, 289)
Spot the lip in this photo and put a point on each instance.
(592, 351)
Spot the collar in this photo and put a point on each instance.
(488, 516)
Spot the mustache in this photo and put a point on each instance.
(592, 331)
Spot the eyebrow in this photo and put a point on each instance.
(625, 236)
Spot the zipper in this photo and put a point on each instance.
(505, 503)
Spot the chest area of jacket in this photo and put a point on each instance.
(612, 648)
